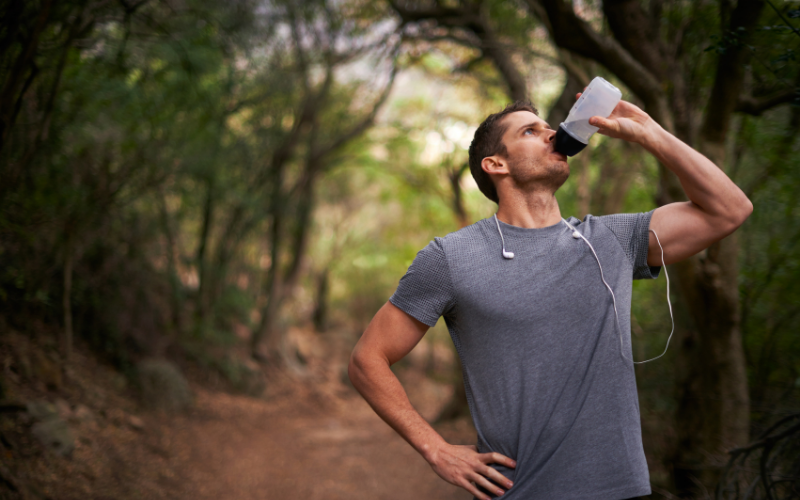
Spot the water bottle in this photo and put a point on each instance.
(599, 99)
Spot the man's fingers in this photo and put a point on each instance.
(487, 485)
(496, 458)
(474, 490)
(600, 122)
(497, 478)
(605, 125)
(465, 467)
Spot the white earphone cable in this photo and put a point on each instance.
(669, 303)
(501, 233)
(576, 234)
(506, 255)
(614, 298)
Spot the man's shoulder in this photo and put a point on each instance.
(623, 225)
(472, 234)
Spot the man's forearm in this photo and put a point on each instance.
(705, 184)
(379, 386)
(389, 337)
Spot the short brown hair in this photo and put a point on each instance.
(488, 141)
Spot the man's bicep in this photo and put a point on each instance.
(683, 230)
(391, 334)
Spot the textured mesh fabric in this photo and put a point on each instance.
(428, 277)
(634, 239)
(546, 379)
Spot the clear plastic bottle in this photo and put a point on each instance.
(599, 99)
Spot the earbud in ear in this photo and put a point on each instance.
(508, 255)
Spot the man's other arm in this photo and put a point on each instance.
(717, 206)
(389, 337)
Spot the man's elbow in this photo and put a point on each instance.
(740, 213)
(357, 367)
(353, 368)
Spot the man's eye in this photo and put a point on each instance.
(528, 130)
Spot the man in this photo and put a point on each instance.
(547, 369)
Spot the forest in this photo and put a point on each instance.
(203, 204)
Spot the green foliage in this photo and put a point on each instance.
(163, 161)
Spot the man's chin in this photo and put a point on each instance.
(551, 175)
(557, 174)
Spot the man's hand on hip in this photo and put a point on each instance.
(463, 466)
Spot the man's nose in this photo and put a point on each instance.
(551, 137)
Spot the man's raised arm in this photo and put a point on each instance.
(389, 337)
(717, 206)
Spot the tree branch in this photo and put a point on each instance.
(631, 27)
(469, 65)
(754, 106)
(363, 125)
(576, 35)
(474, 19)
(443, 15)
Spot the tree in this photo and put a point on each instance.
(322, 42)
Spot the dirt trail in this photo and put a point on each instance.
(308, 436)
(240, 448)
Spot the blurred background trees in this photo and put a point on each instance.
(181, 177)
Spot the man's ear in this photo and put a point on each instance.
(494, 165)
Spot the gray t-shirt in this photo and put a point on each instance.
(545, 378)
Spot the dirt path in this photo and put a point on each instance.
(240, 448)
(308, 436)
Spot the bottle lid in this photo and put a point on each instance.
(567, 144)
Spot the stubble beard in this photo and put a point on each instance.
(537, 174)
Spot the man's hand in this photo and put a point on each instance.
(627, 122)
(463, 466)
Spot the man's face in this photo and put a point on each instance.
(531, 159)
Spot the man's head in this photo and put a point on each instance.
(518, 144)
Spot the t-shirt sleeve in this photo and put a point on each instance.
(426, 290)
(632, 231)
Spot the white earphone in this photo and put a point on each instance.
(506, 255)
(578, 235)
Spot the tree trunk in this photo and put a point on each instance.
(320, 315)
(202, 251)
(66, 304)
(713, 411)
(459, 210)
(24, 69)
(272, 287)
(713, 402)
(280, 283)
(176, 302)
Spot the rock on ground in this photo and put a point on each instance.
(163, 386)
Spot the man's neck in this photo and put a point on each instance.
(529, 210)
